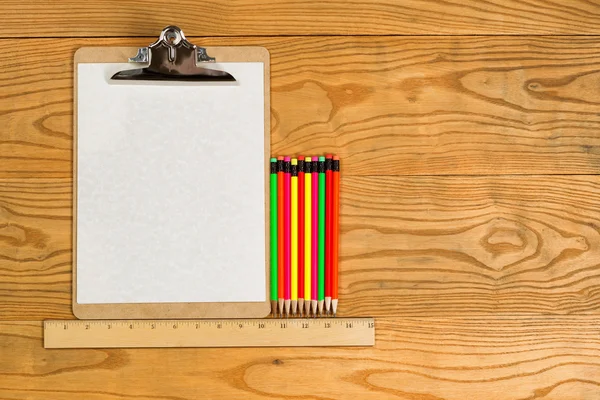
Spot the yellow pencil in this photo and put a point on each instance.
(294, 228)
(307, 233)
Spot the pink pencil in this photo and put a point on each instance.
(287, 273)
(315, 226)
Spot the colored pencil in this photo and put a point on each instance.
(294, 236)
(315, 236)
(321, 296)
(335, 235)
(280, 235)
(273, 235)
(307, 234)
(287, 231)
(328, 230)
(301, 235)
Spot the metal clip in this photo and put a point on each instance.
(172, 57)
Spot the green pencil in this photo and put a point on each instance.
(274, 236)
(321, 279)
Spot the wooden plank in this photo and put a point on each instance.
(493, 358)
(470, 245)
(431, 246)
(35, 255)
(293, 17)
(392, 106)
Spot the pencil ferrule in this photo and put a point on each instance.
(321, 167)
(336, 165)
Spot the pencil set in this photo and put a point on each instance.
(305, 196)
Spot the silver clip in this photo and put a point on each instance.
(172, 57)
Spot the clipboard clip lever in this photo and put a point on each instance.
(173, 58)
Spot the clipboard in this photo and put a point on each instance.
(172, 61)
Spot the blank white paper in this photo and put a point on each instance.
(170, 188)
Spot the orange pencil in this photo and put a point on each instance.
(335, 234)
(280, 234)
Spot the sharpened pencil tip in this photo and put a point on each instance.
(274, 308)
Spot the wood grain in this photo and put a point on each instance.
(492, 358)
(388, 106)
(68, 18)
(470, 225)
(431, 246)
(469, 245)
(35, 250)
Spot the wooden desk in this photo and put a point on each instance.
(470, 217)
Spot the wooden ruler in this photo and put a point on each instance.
(209, 333)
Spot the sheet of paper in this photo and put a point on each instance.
(170, 188)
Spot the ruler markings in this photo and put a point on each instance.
(209, 333)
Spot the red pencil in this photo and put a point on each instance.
(280, 256)
(335, 235)
(301, 234)
(328, 230)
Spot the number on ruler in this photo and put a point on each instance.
(261, 325)
(305, 325)
(327, 324)
(371, 324)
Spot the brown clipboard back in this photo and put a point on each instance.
(173, 310)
